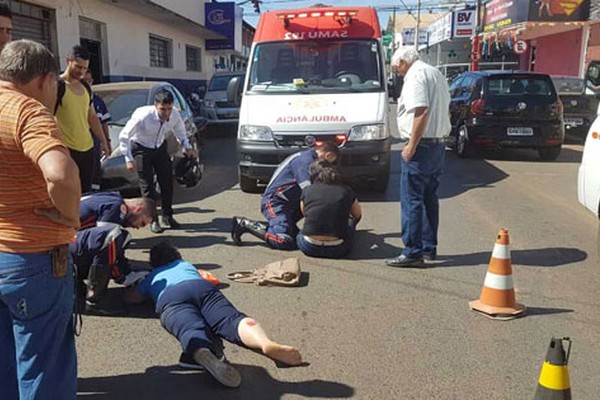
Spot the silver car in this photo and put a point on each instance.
(216, 108)
(122, 99)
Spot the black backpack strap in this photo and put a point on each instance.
(88, 89)
(61, 89)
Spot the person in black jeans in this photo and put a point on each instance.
(331, 212)
(142, 141)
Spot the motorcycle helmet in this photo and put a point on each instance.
(188, 171)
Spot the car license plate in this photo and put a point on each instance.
(519, 131)
(574, 121)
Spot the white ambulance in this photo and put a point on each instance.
(315, 74)
(589, 171)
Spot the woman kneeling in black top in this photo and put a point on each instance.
(331, 212)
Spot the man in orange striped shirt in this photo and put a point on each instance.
(39, 211)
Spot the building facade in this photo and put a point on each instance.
(129, 39)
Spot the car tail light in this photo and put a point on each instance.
(557, 107)
(477, 107)
(340, 139)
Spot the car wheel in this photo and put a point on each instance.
(248, 185)
(549, 153)
(462, 147)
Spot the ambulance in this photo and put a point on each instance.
(315, 74)
(588, 186)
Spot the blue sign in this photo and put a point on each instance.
(220, 18)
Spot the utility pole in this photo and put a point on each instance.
(394, 30)
(418, 25)
(475, 42)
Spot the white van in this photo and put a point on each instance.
(589, 171)
(315, 74)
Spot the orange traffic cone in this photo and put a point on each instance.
(497, 300)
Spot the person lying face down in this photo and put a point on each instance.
(196, 312)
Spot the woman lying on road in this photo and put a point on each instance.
(199, 315)
(331, 212)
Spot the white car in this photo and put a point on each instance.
(589, 171)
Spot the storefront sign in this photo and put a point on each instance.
(440, 30)
(464, 23)
(408, 37)
(220, 18)
(520, 46)
(501, 13)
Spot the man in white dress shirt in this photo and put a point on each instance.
(143, 143)
(424, 124)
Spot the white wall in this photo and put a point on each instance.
(128, 38)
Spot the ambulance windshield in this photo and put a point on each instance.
(320, 66)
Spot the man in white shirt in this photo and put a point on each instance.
(424, 123)
(143, 143)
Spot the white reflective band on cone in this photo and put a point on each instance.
(501, 252)
(499, 282)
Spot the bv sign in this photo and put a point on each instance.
(464, 23)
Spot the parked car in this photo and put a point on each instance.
(216, 108)
(122, 99)
(496, 109)
(580, 103)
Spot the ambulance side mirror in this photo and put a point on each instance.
(234, 90)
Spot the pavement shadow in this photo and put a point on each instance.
(371, 246)
(546, 257)
(181, 242)
(567, 155)
(532, 311)
(170, 382)
(460, 175)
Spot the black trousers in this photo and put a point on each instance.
(86, 164)
(150, 162)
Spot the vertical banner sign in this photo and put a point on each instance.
(220, 18)
(464, 23)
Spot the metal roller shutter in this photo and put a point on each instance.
(31, 28)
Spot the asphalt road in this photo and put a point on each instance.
(370, 331)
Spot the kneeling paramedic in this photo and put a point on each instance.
(281, 200)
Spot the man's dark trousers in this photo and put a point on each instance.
(149, 161)
(419, 182)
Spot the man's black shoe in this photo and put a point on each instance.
(403, 261)
(237, 229)
(169, 222)
(155, 227)
(430, 255)
(103, 308)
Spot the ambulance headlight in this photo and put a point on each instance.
(253, 133)
(368, 132)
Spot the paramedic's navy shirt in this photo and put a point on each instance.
(101, 208)
(290, 177)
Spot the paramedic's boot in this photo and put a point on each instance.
(241, 225)
(97, 283)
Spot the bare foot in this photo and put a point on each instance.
(284, 354)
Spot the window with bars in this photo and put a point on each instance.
(160, 52)
(193, 60)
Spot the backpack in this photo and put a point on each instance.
(62, 88)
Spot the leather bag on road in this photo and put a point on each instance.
(278, 273)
